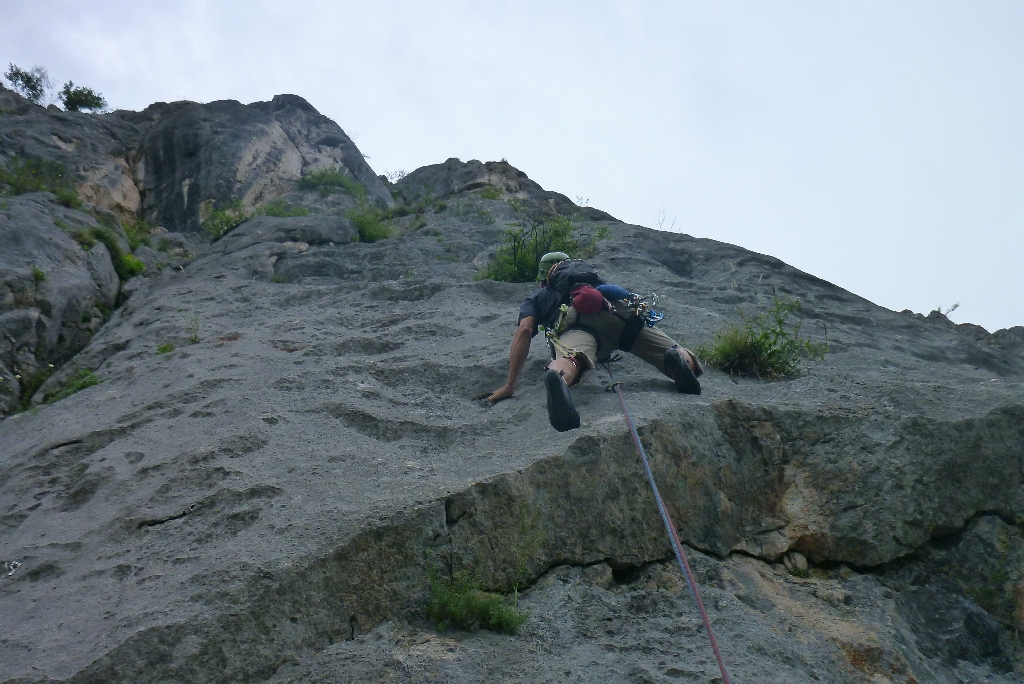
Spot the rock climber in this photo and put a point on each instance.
(599, 319)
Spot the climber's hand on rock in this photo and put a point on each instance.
(503, 392)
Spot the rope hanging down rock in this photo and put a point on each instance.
(671, 528)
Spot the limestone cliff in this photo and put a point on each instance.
(287, 434)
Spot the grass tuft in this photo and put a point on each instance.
(491, 193)
(225, 218)
(330, 181)
(79, 381)
(137, 233)
(38, 274)
(165, 348)
(85, 238)
(282, 209)
(461, 602)
(34, 175)
(125, 265)
(192, 328)
(29, 385)
(766, 346)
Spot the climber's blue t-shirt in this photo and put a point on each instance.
(543, 306)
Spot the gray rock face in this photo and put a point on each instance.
(197, 156)
(172, 162)
(52, 292)
(454, 177)
(172, 165)
(95, 149)
(288, 439)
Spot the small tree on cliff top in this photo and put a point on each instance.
(81, 98)
(32, 84)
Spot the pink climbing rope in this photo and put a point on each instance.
(671, 528)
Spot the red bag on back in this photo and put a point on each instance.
(586, 299)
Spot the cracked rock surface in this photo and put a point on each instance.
(288, 433)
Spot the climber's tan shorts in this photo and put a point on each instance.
(595, 336)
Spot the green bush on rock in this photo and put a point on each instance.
(32, 84)
(224, 218)
(282, 209)
(521, 248)
(34, 175)
(125, 265)
(329, 181)
(764, 346)
(461, 602)
(368, 223)
(137, 233)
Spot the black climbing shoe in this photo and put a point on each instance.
(561, 412)
(686, 381)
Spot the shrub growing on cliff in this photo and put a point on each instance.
(368, 222)
(329, 181)
(34, 175)
(137, 233)
(461, 602)
(224, 218)
(765, 346)
(81, 98)
(521, 248)
(29, 384)
(125, 265)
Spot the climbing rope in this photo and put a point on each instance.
(671, 528)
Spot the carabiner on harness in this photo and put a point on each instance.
(638, 303)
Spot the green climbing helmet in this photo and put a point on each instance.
(549, 260)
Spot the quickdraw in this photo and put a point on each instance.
(638, 303)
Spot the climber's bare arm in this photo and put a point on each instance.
(516, 359)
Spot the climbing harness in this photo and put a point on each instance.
(640, 312)
(670, 527)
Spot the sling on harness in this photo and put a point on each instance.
(670, 527)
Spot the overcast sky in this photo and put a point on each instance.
(877, 145)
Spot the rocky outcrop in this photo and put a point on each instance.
(454, 177)
(97, 150)
(287, 440)
(171, 165)
(198, 156)
(54, 295)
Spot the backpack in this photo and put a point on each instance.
(570, 273)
